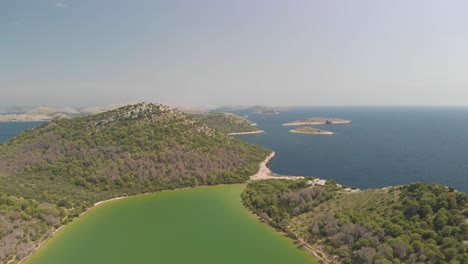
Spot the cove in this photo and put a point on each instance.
(201, 225)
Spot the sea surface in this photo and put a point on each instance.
(11, 129)
(381, 147)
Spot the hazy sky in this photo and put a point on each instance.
(212, 52)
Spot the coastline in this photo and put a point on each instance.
(264, 173)
(245, 133)
(60, 228)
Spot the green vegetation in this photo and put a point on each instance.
(202, 225)
(310, 130)
(417, 223)
(227, 122)
(65, 166)
(277, 201)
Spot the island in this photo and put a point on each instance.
(318, 121)
(44, 113)
(311, 130)
(260, 109)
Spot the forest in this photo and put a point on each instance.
(54, 172)
(416, 223)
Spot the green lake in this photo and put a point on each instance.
(202, 225)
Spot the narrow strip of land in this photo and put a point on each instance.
(264, 173)
(246, 133)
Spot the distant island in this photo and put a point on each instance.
(229, 123)
(311, 130)
(260, 109)
(317, 121)
(18, 114)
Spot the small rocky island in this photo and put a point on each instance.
(311, 130)
(317, 121)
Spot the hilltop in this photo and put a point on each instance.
(54, 172)
(228, 123)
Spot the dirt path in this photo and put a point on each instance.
(322, 256)
(12, 260)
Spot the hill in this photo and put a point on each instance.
(227, 123)
(52, 173)
(416, 223)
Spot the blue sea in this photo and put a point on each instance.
(11, 129)
(382, 147)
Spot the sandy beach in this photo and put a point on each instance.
(264, 173)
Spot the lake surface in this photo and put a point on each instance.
(383, 146)
(202, 225)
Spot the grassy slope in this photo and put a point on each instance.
(63, 167)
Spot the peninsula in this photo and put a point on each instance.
(229, 123)
(317, 121)
(311, 130)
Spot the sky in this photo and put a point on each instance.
(237, 52)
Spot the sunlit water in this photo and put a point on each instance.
(383, 146)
